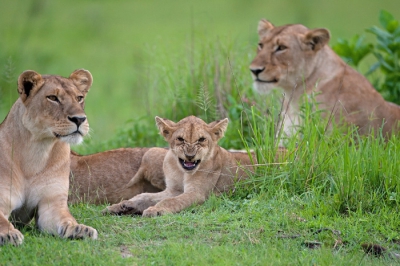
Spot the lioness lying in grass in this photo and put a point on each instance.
(35, 140)
(103, 177)
(194, 167)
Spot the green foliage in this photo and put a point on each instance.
(386, 51)
(353, 50)
(351, 172)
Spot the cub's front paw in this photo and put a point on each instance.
(11, 236)
(154, 211)
(124, 207)
(77, 231)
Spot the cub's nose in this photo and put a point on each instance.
(257, 70)
(189, 157)
(77, 120)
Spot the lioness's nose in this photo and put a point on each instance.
(78, 120)
(257, 70)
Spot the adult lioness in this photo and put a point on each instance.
(194, 167)
(104, 177)
(298, 60)
(34, 157)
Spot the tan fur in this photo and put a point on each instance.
(120, 174)
(299, 61)
(34, 158)
(194, 167)
(104, 177)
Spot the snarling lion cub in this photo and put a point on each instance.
(34, 158)
(194, 167)
(298, 60)
(120, 174)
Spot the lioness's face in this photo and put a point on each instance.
(285, 55)
(55, 110)
(192, 140)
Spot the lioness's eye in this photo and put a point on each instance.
(79, 99)
(202, 139)
(280, 48)
(180, 139)
(53, 98)
(260, 46)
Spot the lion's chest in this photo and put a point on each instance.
(174, 178)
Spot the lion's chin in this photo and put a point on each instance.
(189, 166)
(73, 139)
(264, 87)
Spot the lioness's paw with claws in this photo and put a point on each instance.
(154, 211)
(13, 237)
(78, 231)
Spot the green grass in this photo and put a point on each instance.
(266, 229)
(174, 59)
(134, 49)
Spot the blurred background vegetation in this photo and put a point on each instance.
(165, 58)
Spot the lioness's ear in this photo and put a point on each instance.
(82, 80)
(263, 27)
(218, 128)
(29, 82)
(165, 127)
(316, 39)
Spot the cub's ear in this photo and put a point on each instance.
(263, 27)
(316, 39)
(218, 128)
(165, 127)
(82, 79)
(29, 82)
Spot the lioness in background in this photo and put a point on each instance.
(194, 167)
(299, 61)
(34, 154)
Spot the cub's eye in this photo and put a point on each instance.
(202, 139)
(79, 99)
(180, 139)
(280, 48)
(53, 98)
(260, 46)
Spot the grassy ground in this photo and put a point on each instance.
(172, 60)
(263, 230)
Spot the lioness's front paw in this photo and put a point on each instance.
(12, 236)
(154, 211)
(124, 207)
(78, 231)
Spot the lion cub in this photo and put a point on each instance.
(34, 154)
(194, 167)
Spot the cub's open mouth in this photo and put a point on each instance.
(267, 81)
(188, 165)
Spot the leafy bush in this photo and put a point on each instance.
(386, 51)
(354, 50)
